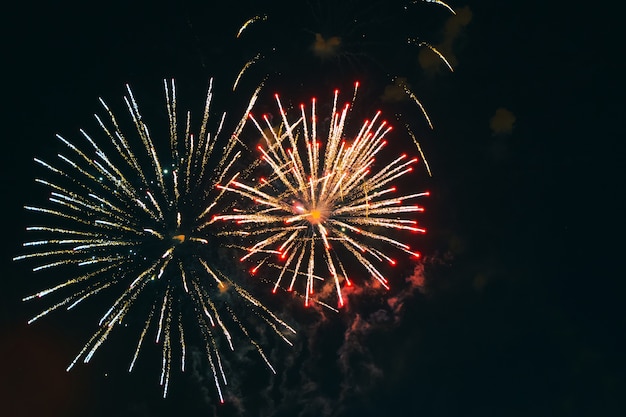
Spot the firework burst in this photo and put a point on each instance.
(126, 219)
(322, 201)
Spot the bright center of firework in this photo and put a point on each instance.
(315, 216)
(178, 238)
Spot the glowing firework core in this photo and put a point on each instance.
(315, 216)
(179, 238)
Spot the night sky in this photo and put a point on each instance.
(520, 310)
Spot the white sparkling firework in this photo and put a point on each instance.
(127, 219)
(323, 201)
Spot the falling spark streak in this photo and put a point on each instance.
(322, 200)
(419, 149)
(128, 218)
(413, 97)
(249, 22)
(244, 68)
(441, 3)
(439, 54)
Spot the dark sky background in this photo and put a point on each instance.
(521, 312)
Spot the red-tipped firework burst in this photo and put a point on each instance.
(324, 201)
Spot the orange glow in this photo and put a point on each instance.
(179, 238)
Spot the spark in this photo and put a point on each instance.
(249, 22)
(324, 200)
(435, 50)
(402, 84)
(419, 149)
(243, 69)
(441, 3)
(132, 221)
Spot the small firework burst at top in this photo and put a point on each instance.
(325, 203)
(126, 220)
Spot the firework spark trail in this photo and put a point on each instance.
(324, 199)
(441, 3)
(126, 218)
(249, 22)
